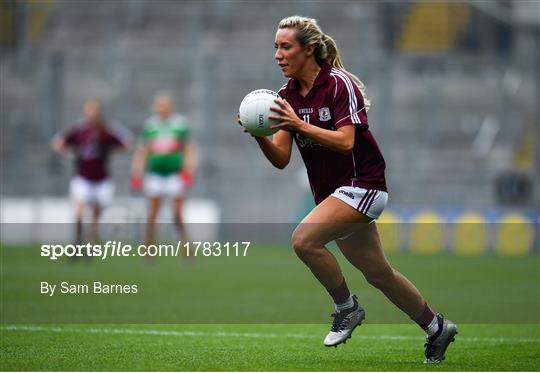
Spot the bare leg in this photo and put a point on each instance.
(326, 222)
(154, 204)
(96, 213)
(178, 204)
(331, 219)
(79, 212)
(363, 250)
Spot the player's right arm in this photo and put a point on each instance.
(139, 161)
(58, 144)
(62, 142)
(138, 166)
(278, 150)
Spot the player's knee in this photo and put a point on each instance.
(303, 244)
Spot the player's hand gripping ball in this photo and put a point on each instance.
(255, 110)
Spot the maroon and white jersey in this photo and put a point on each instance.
(92, 147)
(335, 101)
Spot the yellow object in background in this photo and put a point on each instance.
(515, 235)
(427, 233)
(470, 235)
(39, 13)
(8, 23)
(389, 225)
(433, 26)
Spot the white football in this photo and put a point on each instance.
(255, 110)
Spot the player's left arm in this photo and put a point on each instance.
(340, 140)
(192, 157)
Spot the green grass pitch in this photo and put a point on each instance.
(261, 348)
(494, 300)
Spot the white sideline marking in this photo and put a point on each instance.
(187, 333)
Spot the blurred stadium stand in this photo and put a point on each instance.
(454, 90)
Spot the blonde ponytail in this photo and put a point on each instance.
(308, 33)
(333, 58)
(332, 52)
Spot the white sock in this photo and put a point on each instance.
(347, 304)
(432, 327)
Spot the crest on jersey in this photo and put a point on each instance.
(324, 114)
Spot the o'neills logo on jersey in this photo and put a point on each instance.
(308, 110)
(324, 114)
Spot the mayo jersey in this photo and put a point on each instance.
(165, 140)
(335, 101)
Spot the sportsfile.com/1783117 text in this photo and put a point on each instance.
(112, 249)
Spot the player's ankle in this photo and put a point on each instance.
(348, 303)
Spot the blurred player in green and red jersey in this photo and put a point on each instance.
(91, 141)
(164, 162)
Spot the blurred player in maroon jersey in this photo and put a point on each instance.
(323, 109)
(91, 141)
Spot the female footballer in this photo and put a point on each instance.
(323, 109)
(92, 141)
(166, 159)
